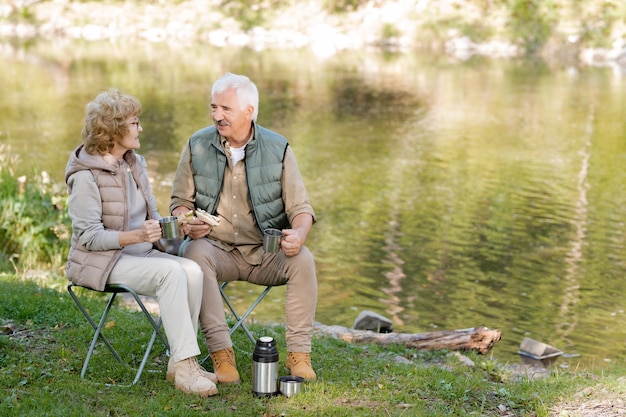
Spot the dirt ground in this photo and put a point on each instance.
(592, 402)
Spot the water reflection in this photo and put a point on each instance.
(449, 196)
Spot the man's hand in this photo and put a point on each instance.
(196, 229)
(181, 210)
(292, 241)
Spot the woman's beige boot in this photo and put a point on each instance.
(171, 372)
(189, 379)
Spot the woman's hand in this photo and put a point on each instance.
(150, 231)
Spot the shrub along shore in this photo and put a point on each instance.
(591, 32)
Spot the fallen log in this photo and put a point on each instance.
(479, 339)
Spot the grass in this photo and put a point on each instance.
(42, 359)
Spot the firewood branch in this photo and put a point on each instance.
(480, 339)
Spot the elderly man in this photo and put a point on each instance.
(247, 177)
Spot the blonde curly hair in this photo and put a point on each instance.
(105, 120)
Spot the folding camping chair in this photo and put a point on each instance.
(114, 290)
(240, 320)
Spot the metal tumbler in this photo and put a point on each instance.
(271, 240)
(169, 227)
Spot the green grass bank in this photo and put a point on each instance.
(44, 341)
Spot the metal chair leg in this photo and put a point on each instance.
(114, 290)
(146, 355)
(240, 320)
(156, 325)
(96, 327)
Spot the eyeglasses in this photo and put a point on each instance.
(137, 123)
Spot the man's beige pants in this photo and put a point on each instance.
(297, 272)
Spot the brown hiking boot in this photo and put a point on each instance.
(190, 381)
(171, 372)
(299, 364)
(225, 367)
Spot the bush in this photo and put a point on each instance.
(34, 223)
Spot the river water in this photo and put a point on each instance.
(449, 194)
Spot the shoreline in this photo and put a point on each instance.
(400, 26)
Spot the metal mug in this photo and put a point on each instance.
(169, 227)
(271, 240)
(290, 385)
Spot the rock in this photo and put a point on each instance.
(538, 350)
(463, 359)
(368, 320)
(7, 329)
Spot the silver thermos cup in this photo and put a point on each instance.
(265, 367)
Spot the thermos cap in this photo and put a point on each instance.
(265, 350)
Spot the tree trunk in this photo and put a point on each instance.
(480, 339)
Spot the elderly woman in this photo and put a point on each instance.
(115, 227)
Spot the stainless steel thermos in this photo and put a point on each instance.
(265, 367)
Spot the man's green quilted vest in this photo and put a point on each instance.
(264, 167)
